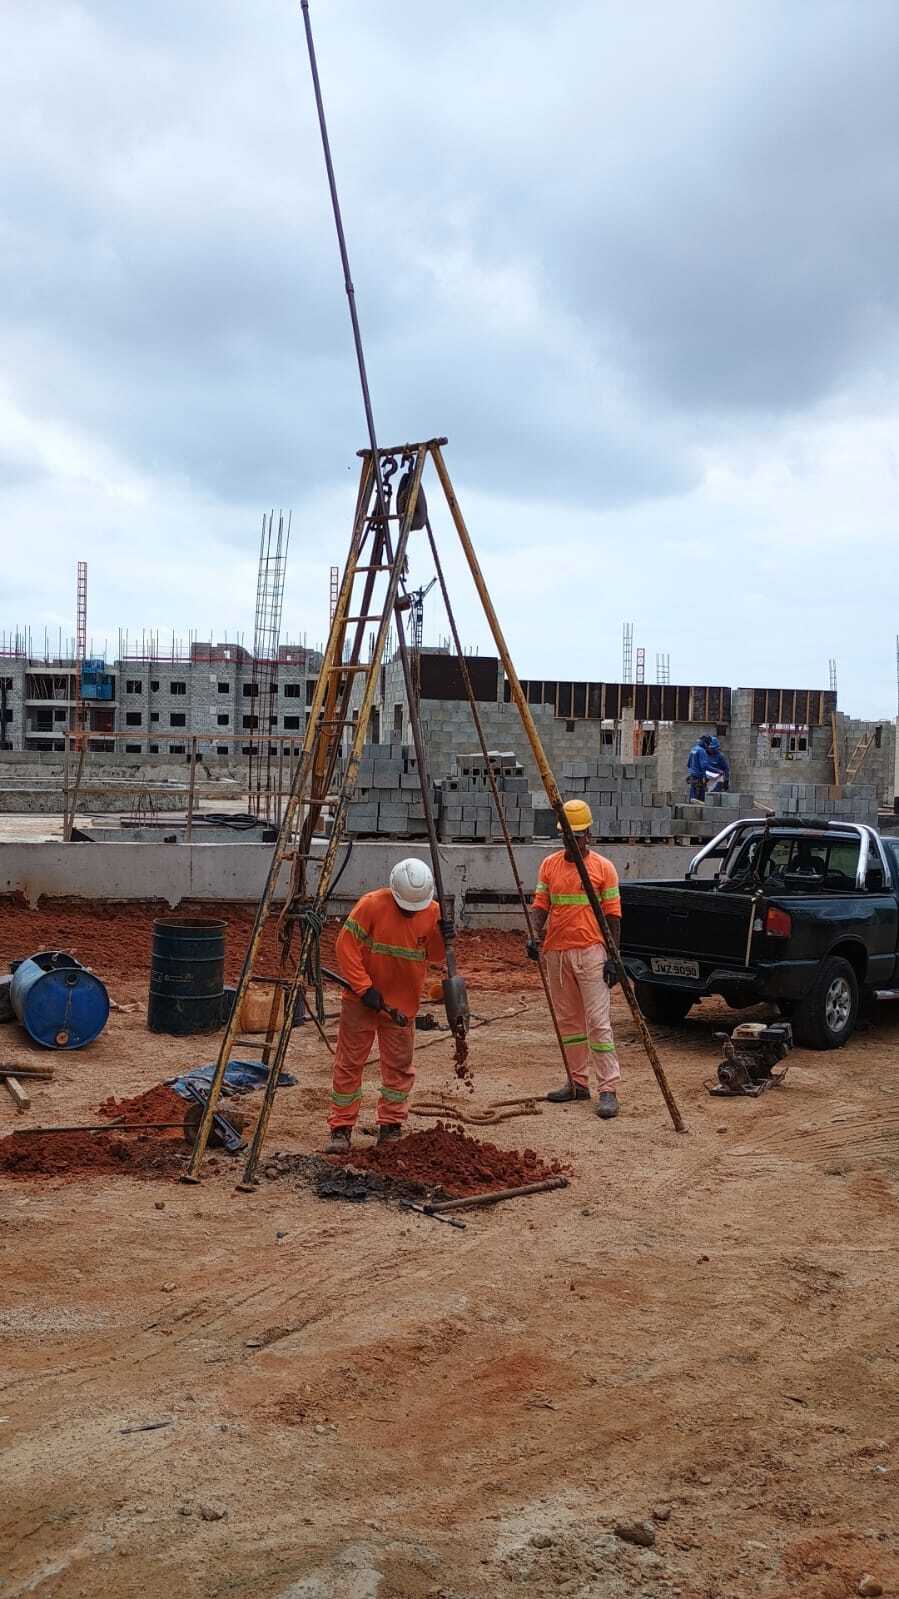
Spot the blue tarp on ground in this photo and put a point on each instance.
(240, 1075)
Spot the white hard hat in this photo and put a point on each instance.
(412, 884)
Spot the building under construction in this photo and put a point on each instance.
(222, 694)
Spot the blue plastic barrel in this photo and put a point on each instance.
(58, 1001)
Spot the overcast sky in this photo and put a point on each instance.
(638, 261)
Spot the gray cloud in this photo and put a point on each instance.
(603, 248)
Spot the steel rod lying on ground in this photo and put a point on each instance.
(493, 1197)
(105, 1127)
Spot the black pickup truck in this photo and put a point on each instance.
(800, 911)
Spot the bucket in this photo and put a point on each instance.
(59, 1002)
(187, 973)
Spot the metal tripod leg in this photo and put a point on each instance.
(552, 788)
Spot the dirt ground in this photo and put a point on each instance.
(361, 1403)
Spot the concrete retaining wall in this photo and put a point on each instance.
(237, 872)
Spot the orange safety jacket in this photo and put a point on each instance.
(380, 947)
(571, 923)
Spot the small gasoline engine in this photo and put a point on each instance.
(750, 1055)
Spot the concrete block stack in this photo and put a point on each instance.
(623, 796)
(627, 803)
(387, 802)
(704, 820)
(857, 803)
(467, 808)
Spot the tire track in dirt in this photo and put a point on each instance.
(874, 1133)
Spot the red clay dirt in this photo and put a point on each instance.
(114, 940)
(72, 1155)
(159, 1153)
(698, 1331)
(159, 1104)
(445, 1157)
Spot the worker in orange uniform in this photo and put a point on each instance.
(383, 950)
(580, 973)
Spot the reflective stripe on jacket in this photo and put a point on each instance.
(379, 947)
(572, 924)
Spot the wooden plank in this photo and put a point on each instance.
(21, 1100)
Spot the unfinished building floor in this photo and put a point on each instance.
(697, 1334)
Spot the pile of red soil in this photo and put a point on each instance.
(446, 1158)
(91, 1154)
(114, 940)
(496, 960)
(159, 1104)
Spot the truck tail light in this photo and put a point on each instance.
(778, 923)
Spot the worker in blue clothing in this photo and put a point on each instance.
(719, 779)
(699, 767)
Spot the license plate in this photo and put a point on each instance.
(673, 968)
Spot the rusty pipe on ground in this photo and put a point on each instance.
(493, 1197)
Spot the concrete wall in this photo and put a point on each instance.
(237, 872)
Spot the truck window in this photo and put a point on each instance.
(842, 864)
(779, 857)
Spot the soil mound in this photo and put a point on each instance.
(91, 1154)
(447, 1158)
(158, 1104)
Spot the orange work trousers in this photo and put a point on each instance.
(583, 1006)
(358, 1027)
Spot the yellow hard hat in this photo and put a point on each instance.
(579, 814)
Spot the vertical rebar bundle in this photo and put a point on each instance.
(627, 653)
(273, 545)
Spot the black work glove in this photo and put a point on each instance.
(611, 974)
(533, 949)
(373, 998)
(447, 928)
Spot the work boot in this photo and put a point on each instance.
(388, 1131)
(608, 1105)
(561, 1096)
(339, 1141)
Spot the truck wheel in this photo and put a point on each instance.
(827, 1015)
(663, 1004)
